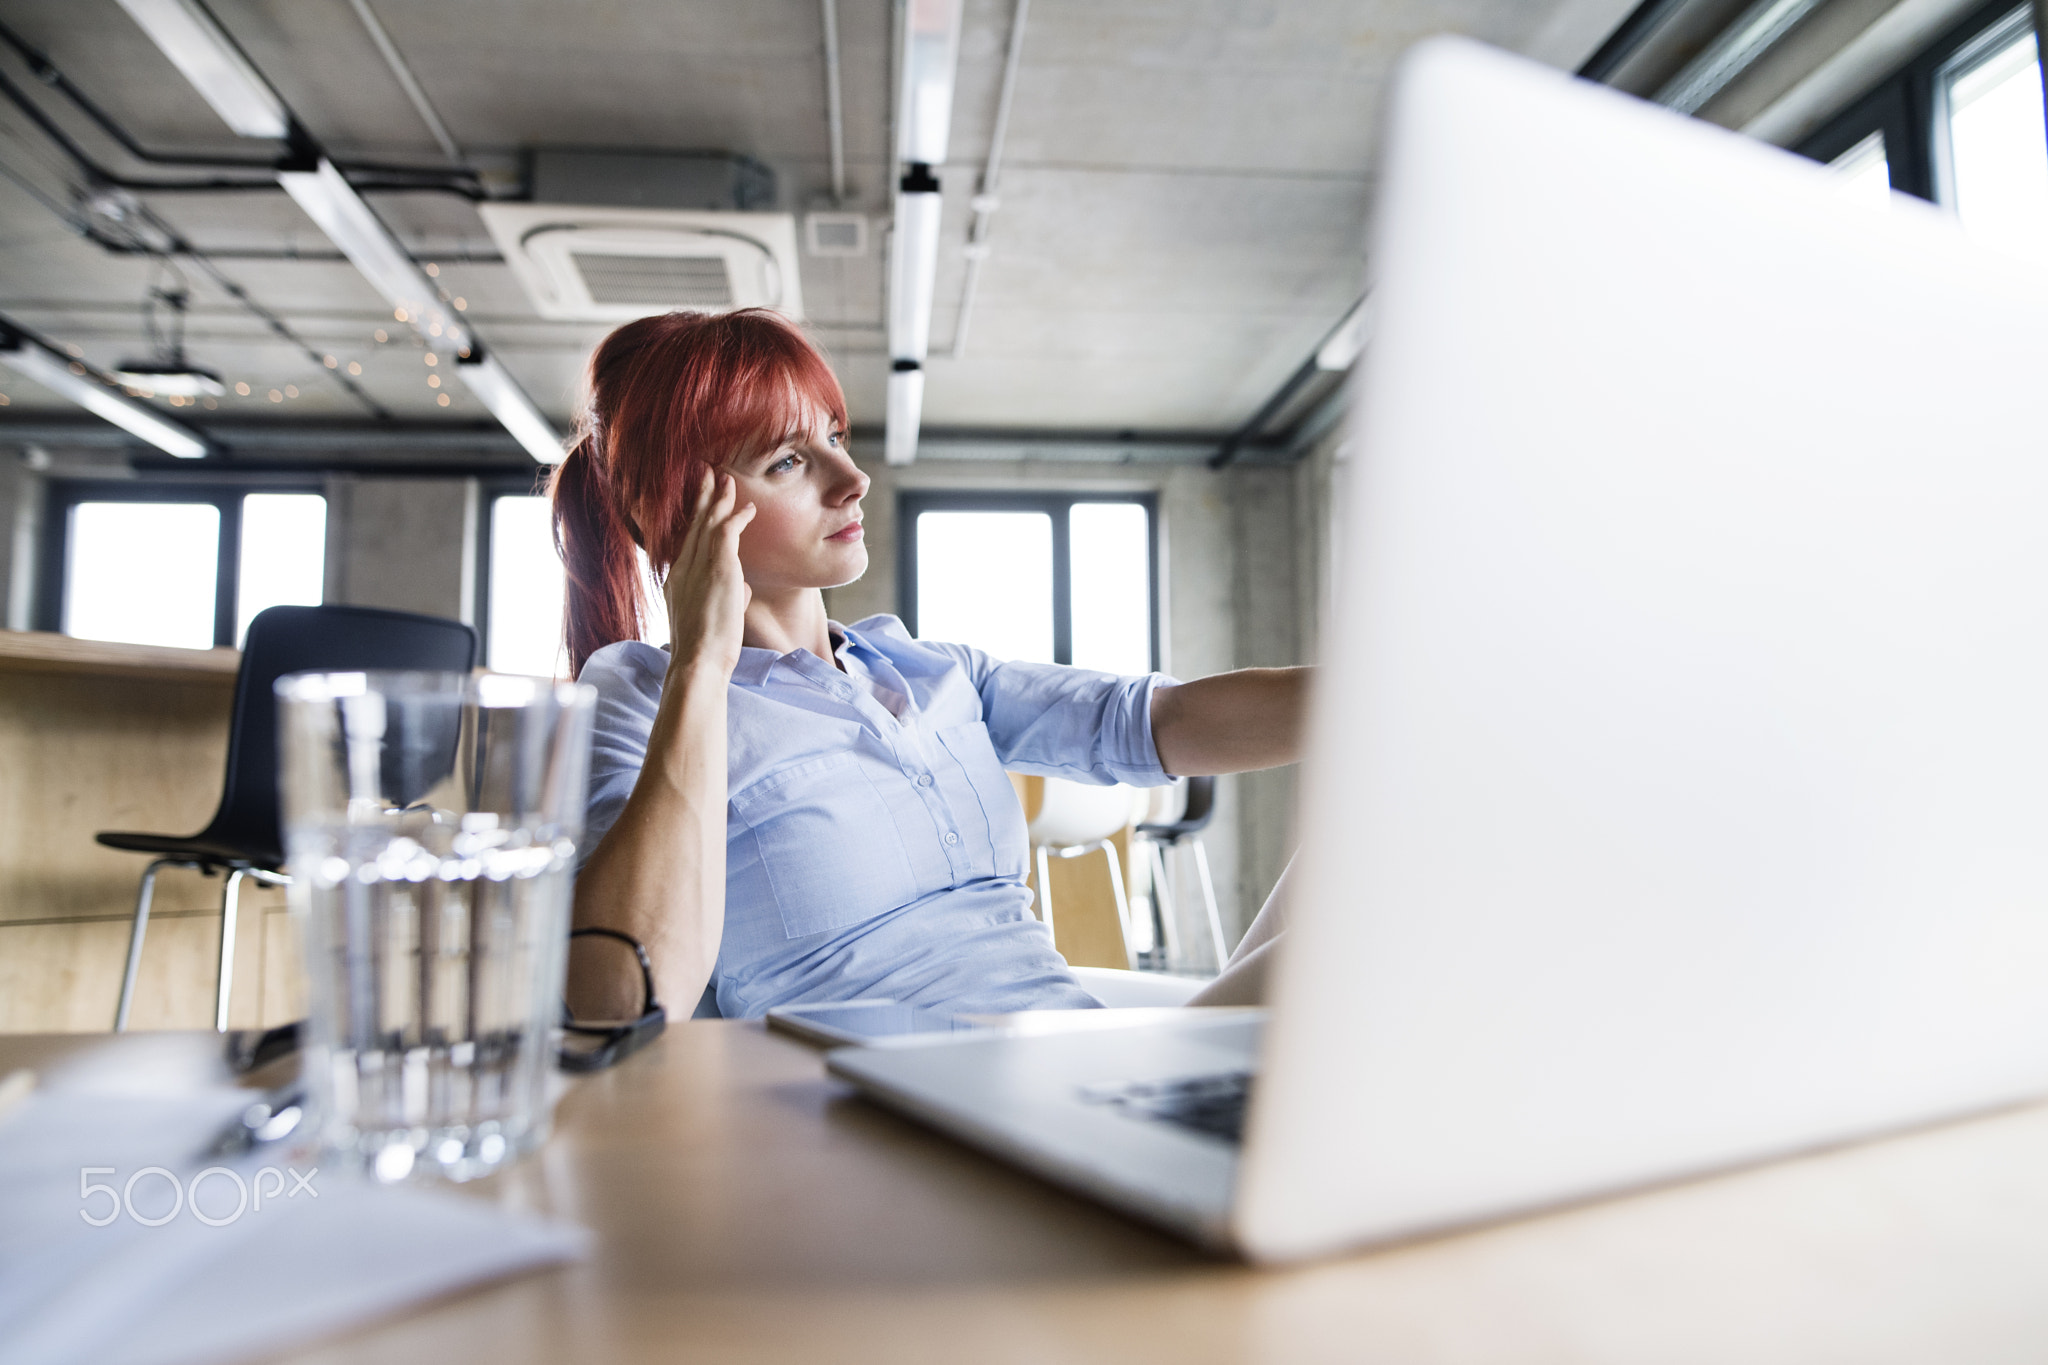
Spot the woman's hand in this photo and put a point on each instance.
(705, 591)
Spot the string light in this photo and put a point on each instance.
(291, 391)
(74, 350)
(354, 367)
(209, 404)
(461, 304)
(241, 388)
(382, 335)
(276, 397)
(442, 400)
(431, 358)
(432, 269)
(329, 361)
(433, 381)
(398, 313)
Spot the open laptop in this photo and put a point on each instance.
(1678, 790)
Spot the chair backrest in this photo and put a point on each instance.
(285, 640)
(1082, 813)
(1201, 805)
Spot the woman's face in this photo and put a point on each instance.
(806, 530)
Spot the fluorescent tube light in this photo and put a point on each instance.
(1347, 339)
(905, 410)
(198, 46)
(330, 201)
(913, 270)
(931, 54)
(86, 389)
(500, 392)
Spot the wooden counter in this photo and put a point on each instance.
(97, 736)
(38, 651)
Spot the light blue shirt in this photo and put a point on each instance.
(874, 846)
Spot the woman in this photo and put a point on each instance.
(782, 807)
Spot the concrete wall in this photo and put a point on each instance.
(404, 544)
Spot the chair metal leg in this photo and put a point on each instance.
(135, 933)
(1165, 906)
(1044, 886)
(1209, 902)
(1123, 904)
(225, 982)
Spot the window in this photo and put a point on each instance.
(524, 590)
(1990, 140)
(1961, 125)
(1058, 578)
(181, 565)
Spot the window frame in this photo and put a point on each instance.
(1908, 107)
(62, 497)
(911, 502)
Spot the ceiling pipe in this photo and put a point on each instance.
(986, 201)
(1753, 33)
(402, 73)
(196, 43)
(929, 58)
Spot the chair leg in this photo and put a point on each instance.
(1123, 904)
(1165, 906)
(1044, 886)
(135, 933)
(225, 982)
(1209, 902)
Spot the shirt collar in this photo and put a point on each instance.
(756, 664)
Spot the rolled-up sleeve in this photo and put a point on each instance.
(1054, 721)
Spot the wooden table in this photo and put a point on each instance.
(750, 1209)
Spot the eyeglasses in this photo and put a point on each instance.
(612, 1043)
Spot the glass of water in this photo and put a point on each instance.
(431, 823)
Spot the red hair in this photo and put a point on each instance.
(670, 396)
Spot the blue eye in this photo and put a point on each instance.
(786, 462)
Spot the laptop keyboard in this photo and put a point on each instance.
(1213, 1104)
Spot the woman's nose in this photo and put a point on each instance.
(853, 483)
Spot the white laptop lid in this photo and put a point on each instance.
(1679, 790)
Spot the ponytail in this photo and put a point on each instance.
(601, 601)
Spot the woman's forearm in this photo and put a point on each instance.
(1231, 722)
(659, 874)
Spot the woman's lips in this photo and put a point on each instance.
(851, 533)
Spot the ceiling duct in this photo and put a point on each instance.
(614, 236)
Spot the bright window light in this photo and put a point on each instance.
(142, 572)
(525, 620)
(1112, 585)
(284, 554)
(985, 579)
(1998, 158)
(1864, 173)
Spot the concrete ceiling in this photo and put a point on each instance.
(1183, 195)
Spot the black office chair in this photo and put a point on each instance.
(1194, 818)
(243, 838)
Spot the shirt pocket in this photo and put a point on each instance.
(1008, 840)
(830, 850)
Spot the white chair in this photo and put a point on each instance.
(1177, 816)
(1122, 990)
(1075, 819)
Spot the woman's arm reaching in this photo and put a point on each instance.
(1231, 722)
(659, 874)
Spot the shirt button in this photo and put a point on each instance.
(952, 838)
(924, 779)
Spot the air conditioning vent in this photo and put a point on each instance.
(682, 281)
(584, 264)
